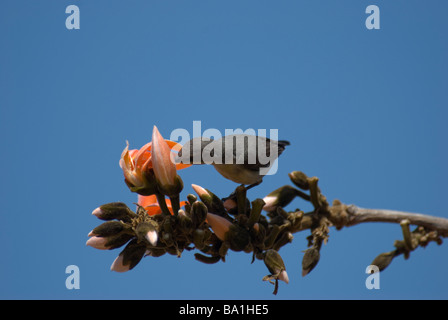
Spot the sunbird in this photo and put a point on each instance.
(241, 158)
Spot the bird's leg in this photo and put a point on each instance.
(233, 194)
(253, 185)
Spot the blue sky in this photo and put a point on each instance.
(364, 110)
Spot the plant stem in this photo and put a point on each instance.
(162, 204)
(175, 203)
(350, 215)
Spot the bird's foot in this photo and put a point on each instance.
(252, 185)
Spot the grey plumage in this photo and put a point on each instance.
(241, 158)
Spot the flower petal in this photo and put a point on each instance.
(163, 160)
(176, 147)
(145, 201)
(143, 155)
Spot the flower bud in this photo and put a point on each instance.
(280, 197)
(109, 243)
(129, 257)
(185, 221)
(109, 228)
(310, 260)
(383, 260)
(191, 198)
(275, 265)
(299, 179)
(202, 193)
(219, 225)
(114, 210)
(97, 243)
(147, 230)
(198, 213)
(169, 183)
(255, 212)
(213, 203)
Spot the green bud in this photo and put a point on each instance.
(114, 210)
(383, 260)
(117, 241)
(198, 213)
(133, 253)
(147, 230)
(109, 228)
(185, 222)
(213, 203)
(255, 212)
(299, 179)
(191, 198)
(273, 261)
(310, 260)
(280, 197)
(217, 206)
(276, 267)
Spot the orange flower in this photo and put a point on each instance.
(134, 163)
(137, 166)
(150, 204)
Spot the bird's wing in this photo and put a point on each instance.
(246, 149)
(192, 150)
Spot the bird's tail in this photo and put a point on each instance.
(282, 145)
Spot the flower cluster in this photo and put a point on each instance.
(163, 224)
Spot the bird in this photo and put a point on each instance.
(246, 160)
